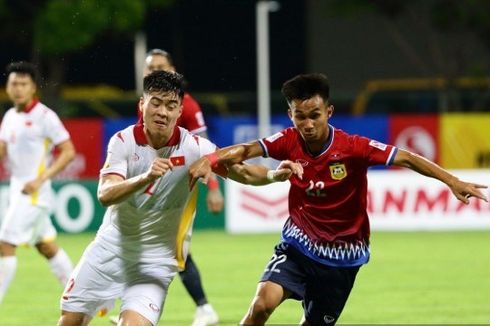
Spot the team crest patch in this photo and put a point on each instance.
(338, 171)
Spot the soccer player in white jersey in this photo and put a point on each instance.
(28, 133)
(144, 237)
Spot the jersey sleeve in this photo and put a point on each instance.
(54, 128)
(117, 157)
(278, 145)
(374, 152)
(192, 118)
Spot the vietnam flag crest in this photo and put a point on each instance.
(177, 160)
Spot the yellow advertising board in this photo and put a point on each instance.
(465, 140)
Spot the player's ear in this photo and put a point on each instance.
(290, 114)
(140, 104)
(330, 110)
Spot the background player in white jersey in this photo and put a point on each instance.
(27, 135)
(144, 237)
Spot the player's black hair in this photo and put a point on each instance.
(23, 67)
(164, 81)
(161, 52)
(305, 86)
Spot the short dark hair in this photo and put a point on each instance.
(23, 67)
(161, 52)
(164, 81)
(305, 86)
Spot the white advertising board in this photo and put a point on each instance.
(397, 200)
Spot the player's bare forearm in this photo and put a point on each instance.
(3, 150)
(114, 189)
(423, 166)
(258, 175)
(238, 153)
(249, 174)
(66, 155)
(461, 189)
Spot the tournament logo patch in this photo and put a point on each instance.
(338, 171)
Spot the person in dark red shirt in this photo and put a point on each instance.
(325, 240)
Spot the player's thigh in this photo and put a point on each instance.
(25, 224)
(147, 293)
(95, 283)
(285, 269)
(327, 291)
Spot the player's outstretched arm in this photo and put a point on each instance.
(114, 188)
(3, 149)
(461, 189)
(260, 175)
(227, 156)
(65, 156)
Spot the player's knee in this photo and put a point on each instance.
(73, 319)
(260, 309)
(47, 249)
(6, 249)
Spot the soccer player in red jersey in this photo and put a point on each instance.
(325, 240)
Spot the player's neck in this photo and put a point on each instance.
(158, 140)
(317, 147)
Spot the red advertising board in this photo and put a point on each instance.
(86, 135)
(416, 133)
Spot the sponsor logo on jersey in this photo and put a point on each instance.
(154, 307)
(328, 319)
(338, 171)
(378, 145)
(302, 162)
(274, 137)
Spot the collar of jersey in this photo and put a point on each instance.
(139, 136)
(31, 105)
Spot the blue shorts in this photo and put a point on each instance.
(322, 289)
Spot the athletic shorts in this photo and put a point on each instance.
(322, 289)
(24, 223)
(101, 277)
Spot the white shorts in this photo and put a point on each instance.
(24, 223)
(101, 277)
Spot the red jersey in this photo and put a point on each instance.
(328, 218)
(191, 117)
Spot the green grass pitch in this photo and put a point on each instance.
(418, 278)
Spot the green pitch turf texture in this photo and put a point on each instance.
(418, 278)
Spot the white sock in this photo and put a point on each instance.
(61, 266)
(8, 266)
(207, 307)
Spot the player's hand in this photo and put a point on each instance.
(199, 169)
(158, 168)
(215, 201)
(464, 190)
(286, 169)
(32, 186)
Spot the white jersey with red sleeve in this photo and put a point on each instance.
(328, 218)
(30, 136)
(154, 223)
